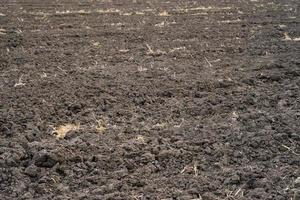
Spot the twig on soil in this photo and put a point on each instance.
(19, 83)
(237, 192)
(290, 149)
(196, 168)
(157, 52)
(210, 65)
(177, 49)
(183, 170)
(237, 195)
(53, 180)
(137, 197)
(2, 31)
(124, 50)
(64, 71)
(149, 48)
(43, 75)
(142, 69)
(178, 126)
(199, 198)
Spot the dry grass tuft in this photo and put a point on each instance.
(288, 38)
(96, 44)
(162, 24)
(61, 131)
(152, 52)
(142, 69)
(163, 14)
(100, 126)
(234, 116)
(140, 139)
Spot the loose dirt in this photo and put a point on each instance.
(153, 99)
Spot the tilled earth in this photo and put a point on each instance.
(134, 99)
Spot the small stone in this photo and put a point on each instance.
(62, 188)
(296, 194)
(262, 183)
(45, 159)
(44, 179)
(297, 182)
(167, 154)
(27, 195)
(31, 171)
(137, 183)
(121, 172)
(235, 179)
(186, 197)
(147, 157)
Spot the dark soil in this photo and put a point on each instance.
(171, 99)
